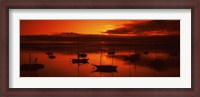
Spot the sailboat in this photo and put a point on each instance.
(50, 54)
(31, 66)
(81, 57)
(104, 68)
(80, 60)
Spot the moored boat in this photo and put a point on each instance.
(83, 61)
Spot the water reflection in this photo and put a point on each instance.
(31, 68)
(136, 62)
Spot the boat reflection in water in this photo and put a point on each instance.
(81, 59)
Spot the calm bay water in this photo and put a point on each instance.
(62, 65)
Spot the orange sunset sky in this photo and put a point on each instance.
(134, 27)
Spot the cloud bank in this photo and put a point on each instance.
(148, 28)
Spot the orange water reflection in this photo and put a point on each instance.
(62, 65)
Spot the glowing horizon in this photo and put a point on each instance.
(97, 27)
(49, 27)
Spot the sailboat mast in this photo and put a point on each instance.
(155, 56)
(78, 45)
(29, 58)
(78, 66)
(101, 52)
(112, 59)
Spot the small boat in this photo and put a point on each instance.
(84, 61)
(105, 68)
(52, 56)
(49, 53)
(132, 57)
(81, 55)
(111, 52)
(31, 67)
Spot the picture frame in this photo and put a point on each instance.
(106, 92)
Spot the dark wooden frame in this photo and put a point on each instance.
(100, 4)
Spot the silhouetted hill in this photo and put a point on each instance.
(87, 39)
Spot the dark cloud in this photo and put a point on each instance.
(154, 27)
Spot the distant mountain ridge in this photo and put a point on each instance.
(88, 38)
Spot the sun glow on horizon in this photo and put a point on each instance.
(50, 27)
(99, 27)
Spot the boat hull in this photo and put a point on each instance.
(106, 68)
(52, 57)
(84, 61)
(31, 67)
